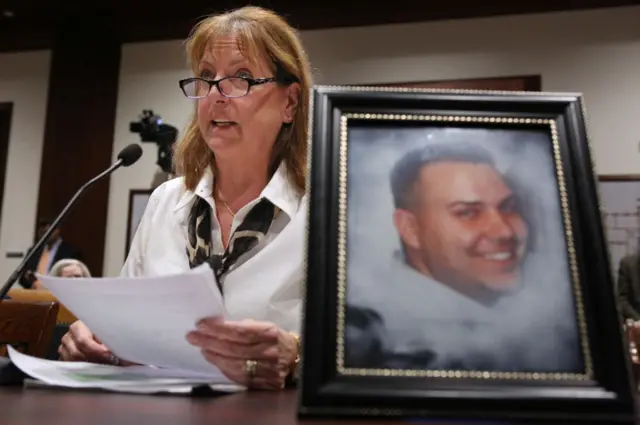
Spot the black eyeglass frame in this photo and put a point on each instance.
(250, 81)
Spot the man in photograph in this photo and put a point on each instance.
(463, 240)
(459, 222)
(471, 284)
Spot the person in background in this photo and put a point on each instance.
(629, 286)
(239, 204)
(54, 250)
(70, 267)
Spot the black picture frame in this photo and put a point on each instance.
(138, 199)
(603, 392)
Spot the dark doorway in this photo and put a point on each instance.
(6, 110)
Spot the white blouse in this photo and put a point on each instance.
(266, 284)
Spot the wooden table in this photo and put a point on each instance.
(62, 407)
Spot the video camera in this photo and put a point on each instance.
(153, 130)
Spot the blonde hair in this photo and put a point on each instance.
(260, 33)
(59, 266)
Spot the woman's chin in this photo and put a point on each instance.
(220, 144)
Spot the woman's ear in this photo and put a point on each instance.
(293, 97)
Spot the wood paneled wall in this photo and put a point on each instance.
(83, 88)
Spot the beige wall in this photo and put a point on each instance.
(24, 82)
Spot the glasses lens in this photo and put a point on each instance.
(234, 87)
(196, 88)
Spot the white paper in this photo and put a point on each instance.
(145, 320)
(134, 379)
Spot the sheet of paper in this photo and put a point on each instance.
(145, 320)
(135, 379)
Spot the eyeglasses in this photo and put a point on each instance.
(196, 87)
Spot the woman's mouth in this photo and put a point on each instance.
(222, 123)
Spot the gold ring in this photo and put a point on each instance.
(250, 367)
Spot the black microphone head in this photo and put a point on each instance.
(130, 154)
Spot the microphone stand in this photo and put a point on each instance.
(21, 268)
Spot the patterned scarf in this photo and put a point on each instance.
(246, 236)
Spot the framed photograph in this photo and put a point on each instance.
(456, 260)
(138, 199)
(620, 206)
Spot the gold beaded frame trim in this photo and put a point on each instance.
(342, 253)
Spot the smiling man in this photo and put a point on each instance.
(474, 285)
(459, 222)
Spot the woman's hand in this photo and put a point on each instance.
(234, 346)
(81, 345)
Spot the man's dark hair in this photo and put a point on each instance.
(406, 171)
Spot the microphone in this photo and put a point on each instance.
(127, 156)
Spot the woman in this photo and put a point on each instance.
(239, 204)
(69, 268)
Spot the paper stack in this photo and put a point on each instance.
(143, 320)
